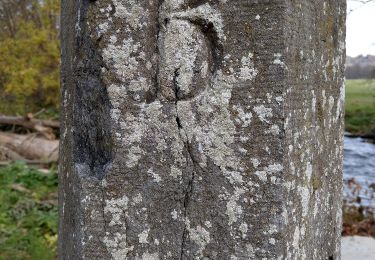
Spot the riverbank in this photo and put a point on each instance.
(360, 108)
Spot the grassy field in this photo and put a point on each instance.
(28, 213)
(360, 107)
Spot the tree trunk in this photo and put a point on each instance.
(201, 129)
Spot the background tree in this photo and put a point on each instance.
(29, 55)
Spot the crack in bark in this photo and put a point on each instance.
(188, 193)
(152, 95)
(176, 89)
(189, 153)
(182, 134)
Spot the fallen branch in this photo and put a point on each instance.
(45, 127)
(27, 121)
(9, 154)
(30, 147)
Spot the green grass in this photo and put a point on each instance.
(28, 213)
(360, 107)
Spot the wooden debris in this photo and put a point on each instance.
(45, 127)
(28, 147)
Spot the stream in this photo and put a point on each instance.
(359, 172)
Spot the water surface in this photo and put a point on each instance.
(359, 171)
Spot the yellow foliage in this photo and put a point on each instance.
(29, 62)
(51, 239)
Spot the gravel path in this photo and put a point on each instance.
(358, 248)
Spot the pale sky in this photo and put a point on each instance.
(360, 30)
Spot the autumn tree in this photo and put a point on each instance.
(29, 55)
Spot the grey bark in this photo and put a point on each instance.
(201, 129)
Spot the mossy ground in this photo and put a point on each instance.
(360, 107)
(28, 213)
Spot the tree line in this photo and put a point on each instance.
(29, 55)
